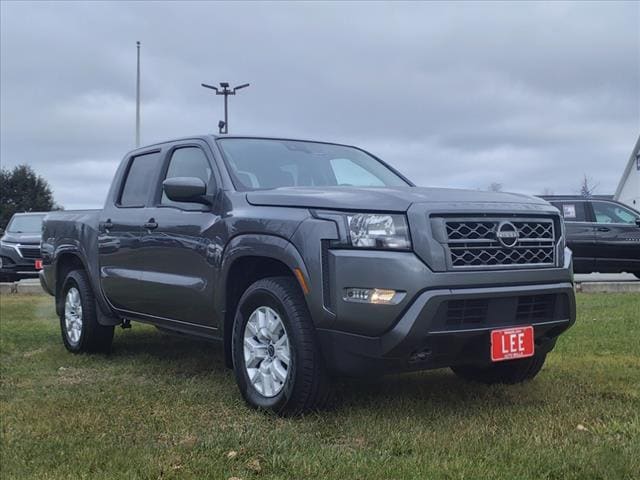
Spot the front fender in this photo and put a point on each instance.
(258, 245)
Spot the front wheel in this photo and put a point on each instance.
(507, 372)
(276, 359)
(79, 325)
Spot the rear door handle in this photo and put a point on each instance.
(603, 229)
(151, 224)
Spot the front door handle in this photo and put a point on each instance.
(603, 229)
(151, 224)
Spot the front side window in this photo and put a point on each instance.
(137, 185)
(187, 162)
(607, 212)
(25, 224)
(265, 163)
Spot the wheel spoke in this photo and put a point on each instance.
(274, 327)
(252, 326)
(267, 384)
(278, 370)
(255, 352)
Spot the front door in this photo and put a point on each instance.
(617, 237)
(179, 246)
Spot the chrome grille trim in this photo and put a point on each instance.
(472, 243)
(29, 251)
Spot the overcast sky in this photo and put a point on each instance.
(531, 96)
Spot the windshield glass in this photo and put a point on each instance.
(25, 224)
(264, 163)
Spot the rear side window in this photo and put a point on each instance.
(187, 162)
(572, 211)
(137, 184)
(613, 213)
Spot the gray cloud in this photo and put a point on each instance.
(531, 95)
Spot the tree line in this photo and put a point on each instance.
(22, 190)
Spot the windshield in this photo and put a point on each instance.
(25, 224)
(263, 163)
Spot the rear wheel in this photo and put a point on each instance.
(276, 359)
(507, 372)
(79, 325)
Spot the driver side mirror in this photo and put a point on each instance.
(186, 189)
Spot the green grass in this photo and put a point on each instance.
(165, 407)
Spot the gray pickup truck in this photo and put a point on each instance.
(309, 260)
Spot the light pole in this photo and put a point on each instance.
(223, 125)
(138, 98)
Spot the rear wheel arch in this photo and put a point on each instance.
(65, 263)
(69, 261)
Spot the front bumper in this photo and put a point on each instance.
(435, 331)
(12, 263)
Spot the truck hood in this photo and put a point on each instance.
(391, 199)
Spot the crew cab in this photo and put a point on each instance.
(603, 234)
(309, 260)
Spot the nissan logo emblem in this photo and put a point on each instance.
(507, 234)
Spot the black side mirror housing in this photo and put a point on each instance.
(186, 189)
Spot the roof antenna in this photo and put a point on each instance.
(223, 125)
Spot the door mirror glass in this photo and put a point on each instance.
(185, 189)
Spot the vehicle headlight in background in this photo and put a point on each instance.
(376, 230)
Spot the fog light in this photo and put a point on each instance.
(373, 295)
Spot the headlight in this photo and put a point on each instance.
(373, 230)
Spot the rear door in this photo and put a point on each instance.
(617, 237)
(580, 233)
(120, 231)
(180, 244)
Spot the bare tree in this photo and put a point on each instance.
(588, 187)
(495, 187)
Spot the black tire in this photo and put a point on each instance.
(94, 338)
(307, 385)
(508, 372)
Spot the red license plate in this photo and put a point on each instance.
(511, 343)
(38, 264)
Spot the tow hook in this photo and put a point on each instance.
(126, 323)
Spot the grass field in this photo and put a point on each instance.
(165, 407)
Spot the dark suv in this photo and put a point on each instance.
(20, 247)
(603, 234)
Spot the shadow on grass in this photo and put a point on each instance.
(188, 356)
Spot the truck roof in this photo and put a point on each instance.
(212, 136)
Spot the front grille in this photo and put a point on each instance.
(467, 312)
(496, 312)
(475, 243)
(535, 308)
(31, 252)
